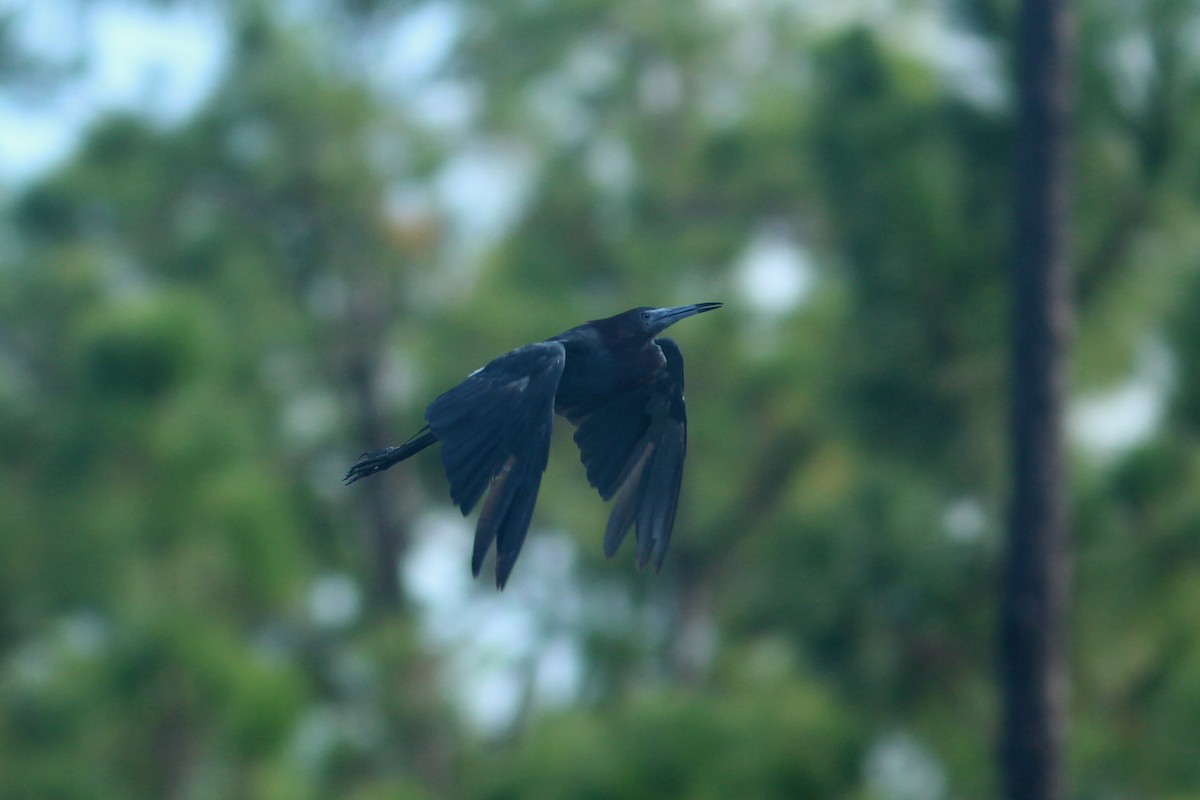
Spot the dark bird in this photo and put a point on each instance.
(613, 379)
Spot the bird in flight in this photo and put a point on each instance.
(616, 380)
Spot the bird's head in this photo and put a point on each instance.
(649, 322)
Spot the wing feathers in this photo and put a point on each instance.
(626, 505)
(608, 437)
(519, 490)
(474, 467)
(495, 429)
(633, 448)
(661, 498)
(494, 510)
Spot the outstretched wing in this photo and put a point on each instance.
(633, 447)
(495, 429)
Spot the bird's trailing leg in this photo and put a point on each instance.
(379, 460)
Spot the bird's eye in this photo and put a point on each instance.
(646, 316)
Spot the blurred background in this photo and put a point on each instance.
(243, 241)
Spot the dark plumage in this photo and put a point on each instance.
(613, 379)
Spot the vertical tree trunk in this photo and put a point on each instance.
(387, 537)
(1036, 578)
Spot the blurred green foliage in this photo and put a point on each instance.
(202, 323)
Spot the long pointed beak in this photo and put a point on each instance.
(663, 317)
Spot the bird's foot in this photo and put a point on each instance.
(370, 463)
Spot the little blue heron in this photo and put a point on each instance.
(616, 380)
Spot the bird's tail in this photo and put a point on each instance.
(379, 460)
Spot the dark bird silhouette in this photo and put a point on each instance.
(613, 379)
